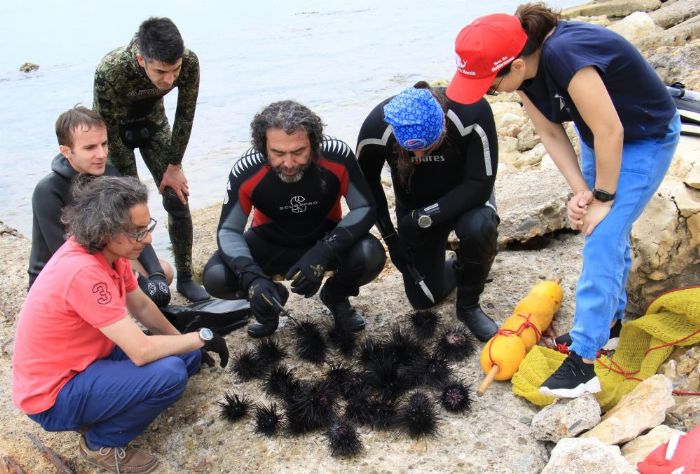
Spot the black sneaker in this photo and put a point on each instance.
(343, 312)
(611, 345)
(572, 379)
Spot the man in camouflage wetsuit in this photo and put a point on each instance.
(130, 83)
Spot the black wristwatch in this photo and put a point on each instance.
(205, 335)
(603, 196)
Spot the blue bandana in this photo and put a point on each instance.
(416, 117)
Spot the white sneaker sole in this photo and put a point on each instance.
(611, 345)
(592, 386)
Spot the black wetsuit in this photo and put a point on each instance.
(290, 218)
(455, 181)
(50, 196)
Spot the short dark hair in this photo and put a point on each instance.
(71, 119)
(288, 116)
(159, 39)
(100, 208)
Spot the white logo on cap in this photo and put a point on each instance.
(462, 66)
(501, 63)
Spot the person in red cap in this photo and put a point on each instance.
(628, 128)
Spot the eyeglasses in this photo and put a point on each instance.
(139, 235)
(493, 90)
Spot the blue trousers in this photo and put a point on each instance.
(115, 400)
(600, 292)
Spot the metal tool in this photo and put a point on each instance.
(420, 281)
(272, 301)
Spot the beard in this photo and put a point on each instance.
(294, 178)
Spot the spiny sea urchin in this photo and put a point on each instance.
(310, 408)
(247, 365)
(343, 339)
(343, 440)
(310, 343)
(417, 417)
(456, 344)
(424, 323)
(266, 419)
(269, 352)
(401, 346)
(455, 397)
(280, 381)
(233, 408)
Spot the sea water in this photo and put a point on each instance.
(340, 58)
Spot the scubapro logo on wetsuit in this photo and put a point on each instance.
(428, 159)
(298, 204)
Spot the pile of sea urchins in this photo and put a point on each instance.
(386, 383)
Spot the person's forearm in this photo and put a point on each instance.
(159, 346)
(608, 152)
(559, 147)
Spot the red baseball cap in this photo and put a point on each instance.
(483, 48)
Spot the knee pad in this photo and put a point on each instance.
(371, 253)
(136, 133)
(219, 280)
(173, 206)
(477, 232)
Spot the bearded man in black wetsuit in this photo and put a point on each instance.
(292, 180)
(443, 158)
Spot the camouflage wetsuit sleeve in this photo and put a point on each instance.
(106, 101)
(188, 90)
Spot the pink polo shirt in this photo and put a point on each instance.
(58, 332)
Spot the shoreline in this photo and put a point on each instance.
(495, 436)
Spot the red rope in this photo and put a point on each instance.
(628, 375)
(528, 324)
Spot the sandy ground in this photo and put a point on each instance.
(192, 437)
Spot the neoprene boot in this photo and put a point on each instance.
(190, 289)
(471, 278)
(265, 329)
(344, 313)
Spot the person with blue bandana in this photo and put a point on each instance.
(628, 127)
(443, 158)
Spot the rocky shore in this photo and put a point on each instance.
(501, 433)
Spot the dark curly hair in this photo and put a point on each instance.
(288, 116)
(100, 208)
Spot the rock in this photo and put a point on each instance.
(636, 27)
(676, 64)
(566, 418)
(643, 408)
(685, 415)
(692, 179)
(670, 259)
(677, 35)
(611, 8)
(543, 211)
(669, 370)
(586, 456)
(527, 138)
(639, 448)
(28, 67)
(673, 13)
(14, 249)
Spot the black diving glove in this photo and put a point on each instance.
(399, 252)
(261, 293)
(307, 274)
(155, 288)
(218, 345)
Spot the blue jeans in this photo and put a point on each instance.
(600, 292)
(116, 400)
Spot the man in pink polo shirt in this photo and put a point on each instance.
(80, 362)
